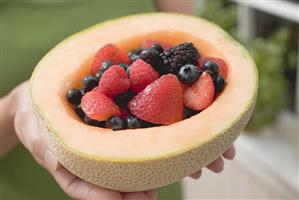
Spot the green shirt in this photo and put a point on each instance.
(29, 29)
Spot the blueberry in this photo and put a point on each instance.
(158, 48)
(128, 71)
(188, 74)
(124, 66)
(123, 99)
(146, 124)
(99, 75)
(219, 83)
(74, 96)
(79, 112)
(211, 67)
(93, 122)
(189, 112)
(134, 55)
(115, 123)
(133, 122)
(105, 65)
(89, 83)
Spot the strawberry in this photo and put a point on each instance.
(97, 106)
(141, 74)
(222, 66)
(109, 52)
(200, 95)
(161, 102)
(148, 44)
(114, 81)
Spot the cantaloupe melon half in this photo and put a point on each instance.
(142, 159)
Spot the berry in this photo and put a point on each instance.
(99, 74)
(134, 55)
(89, 83)
(124, 113)
(114, 81)
(211, 67)
(189, 112)
(222, 66)
(109, 52)
(188, 74)
(124, 66)
(151, 56)
(93, 122)
(123, 99)
(178, 56)
(158, 48)
(149, 43)
(115, 123)
(141, 74)
(219, 83)
(161, 102)
(133, 122)
(79, 112)
(105, 65)
(200, 95)
(98, 106)
(74, 96)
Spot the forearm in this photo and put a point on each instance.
(179, 6)
(8, 138)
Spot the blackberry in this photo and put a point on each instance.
(188, 74)
(79, 112)
(134, 55)
(211, 67)
(99, 74)
(115, 123)
(89, 83)
(176, 57)
(74, 96)
(133, 122)
(219, 83)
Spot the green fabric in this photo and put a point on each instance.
(27, 31)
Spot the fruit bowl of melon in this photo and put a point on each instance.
(143, 109)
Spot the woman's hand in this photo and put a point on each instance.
(29, 133)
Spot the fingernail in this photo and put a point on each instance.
(50, 160)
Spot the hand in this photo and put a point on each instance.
(218, 164)
(29, 133)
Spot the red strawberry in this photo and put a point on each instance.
(98, 106)
(161, 102)
(148, 44)
(109, 52)
(114, 81)
(141, 74)
(200, 95)
(123, 113)
(223, 69)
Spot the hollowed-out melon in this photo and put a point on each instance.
(142, 159)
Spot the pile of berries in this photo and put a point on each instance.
(158, 84)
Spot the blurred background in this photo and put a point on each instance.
(266, 165)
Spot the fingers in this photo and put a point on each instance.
(230, 153)
(149, 195)
(217, 165)
(196, 175)
(76, 188)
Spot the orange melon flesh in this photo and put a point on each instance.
(65, 66)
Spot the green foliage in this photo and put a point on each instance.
(268, 53)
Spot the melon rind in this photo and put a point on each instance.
(130, 175)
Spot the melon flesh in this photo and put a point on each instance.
(142, 159)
